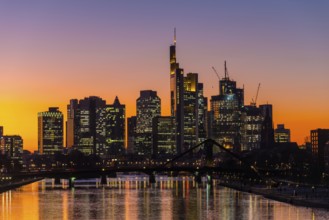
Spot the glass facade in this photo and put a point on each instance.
(164, 142)
(148, 107)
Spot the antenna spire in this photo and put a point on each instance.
(175, 36)
(225, 69)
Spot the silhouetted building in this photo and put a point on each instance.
(164, 141)
(50, 131)
(131, 134)
(266, 109)
(177, 96)
(252, 120)
(89, 137)
(1, 131)
(202, 114)
(72, 123)
(115, 127)
(267, 127)
(281, 134)
(148, 107)
(319, 140)
(188, 105)
(226, 109)
(191, 107)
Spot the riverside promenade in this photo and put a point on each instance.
(5, 186)
(292, 193)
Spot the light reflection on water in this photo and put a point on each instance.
(132, 197)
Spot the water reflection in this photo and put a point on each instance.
(132, 197)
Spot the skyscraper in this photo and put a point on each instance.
(148, 107)
(50, 131)
(202, 114)
(115, 126)
(72, 123)
(319, 141)
(164, 141)
(188, 105)
(267, 127)
(226, 109)
(131, 121)
(177, 96)
(89, 137)
(251, 128)
(191, 107)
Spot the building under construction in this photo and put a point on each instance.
(226, 109)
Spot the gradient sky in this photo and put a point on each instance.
(52, 51)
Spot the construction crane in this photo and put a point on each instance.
(216, 72)
(226, 72)
(253, 102)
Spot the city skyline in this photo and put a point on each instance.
(290, 65)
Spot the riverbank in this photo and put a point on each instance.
(16, 184)
(311, 199)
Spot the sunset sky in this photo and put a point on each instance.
(52, 51)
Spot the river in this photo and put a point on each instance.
(131, 197)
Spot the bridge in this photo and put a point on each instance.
(170, 168)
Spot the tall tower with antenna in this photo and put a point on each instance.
(177, 95)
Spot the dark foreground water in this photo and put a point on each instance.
(130, 197)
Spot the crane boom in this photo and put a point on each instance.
(254, 101)
(216, 72)
(257, 93)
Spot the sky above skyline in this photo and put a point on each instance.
(53, 51)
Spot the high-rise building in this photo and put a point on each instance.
(164, 138)
(148, 107)
(1, 131)
(227, 109)
(191, 107)
(50, 131)
(114, 119)
(71, 123)
(267, 109)
(202, 114)
(89, 135)
(251, 128)
(188, 105)
(319, 141)
(177, 96)
(267, 133)
(281, 134)
(131, 134)
(12, 146)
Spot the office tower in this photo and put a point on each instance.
(71, 123)
(226, 109)
(320, 145)
(251, 128)
(191, 117)
(266, 108)
(164, 137)
(267, 136)
(115, 126)
(12, 147)
(202, 114)
(148, 107)
(50, 131)
(88, 134)
(131, 134)
(188, 105)
(281, 134)
(177, 96)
